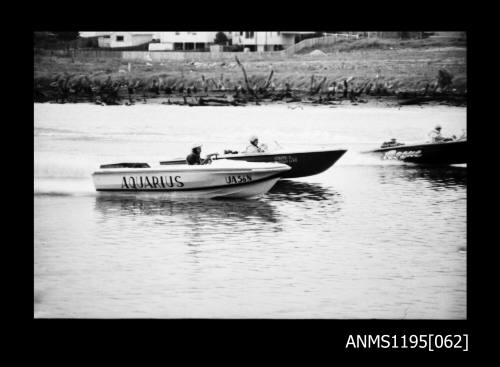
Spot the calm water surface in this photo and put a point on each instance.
(365, 239)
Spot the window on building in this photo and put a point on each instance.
(241, 33)
(177, 33)
(106, 36)
(249, 34)
(119, 38)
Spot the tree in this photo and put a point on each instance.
(221, 38)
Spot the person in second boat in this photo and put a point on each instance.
(254, 146)
(435, 135)
(463, 136)
(195, 157)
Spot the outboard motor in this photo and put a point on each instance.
(390, 143)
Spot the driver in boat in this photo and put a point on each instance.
(254, 146)
(195, 158)
(435, 135)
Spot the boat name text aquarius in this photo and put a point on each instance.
(152, 182)
(238, 179)
(286, 159)
(393, 154)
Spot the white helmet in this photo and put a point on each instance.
(196, 145)
(438, 127)
(253, 138)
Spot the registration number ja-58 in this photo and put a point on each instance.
(238, 179)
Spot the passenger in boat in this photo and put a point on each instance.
(435, 135)
(195, 157)
(463, 136)
(254, 146)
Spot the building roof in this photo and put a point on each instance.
(93, 34)
(299, 32)
(99, 34)
(138, 33)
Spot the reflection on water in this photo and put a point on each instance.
(301, 192)
(436, 178)
(238, 215)
(196, 210)
(237, 209)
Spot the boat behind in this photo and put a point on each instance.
(221, 179)
(303, 163)
(447, 152)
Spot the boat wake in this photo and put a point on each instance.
(63, 187)
(354, 157)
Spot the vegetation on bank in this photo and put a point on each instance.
(418, 70)
(345, 45)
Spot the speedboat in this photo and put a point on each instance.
(445, 152)
(220, 179)
(302, 162)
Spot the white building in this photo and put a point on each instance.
(92, 34)
(179, 41)
(201, 41)
(120, 39)
(266, 41)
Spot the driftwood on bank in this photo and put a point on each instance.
(201, 101)
(72, 89)
(268, 82)
(247, 83)
(318, 87)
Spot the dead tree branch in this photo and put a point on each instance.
(246, 78)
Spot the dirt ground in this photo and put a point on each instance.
(401, 71)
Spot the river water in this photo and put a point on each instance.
(365, 239)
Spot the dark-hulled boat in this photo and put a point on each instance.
(446, 152)
(303, 163)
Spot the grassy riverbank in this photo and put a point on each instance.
(353, 70)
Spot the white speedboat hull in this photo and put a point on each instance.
(222, 178)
